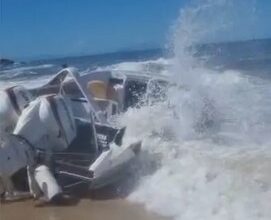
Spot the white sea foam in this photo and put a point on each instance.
(19, 70)
(20, 76)
(212, 136)
(158, 66)
(215, 161)
(42, 80)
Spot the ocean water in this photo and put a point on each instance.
(211, 138)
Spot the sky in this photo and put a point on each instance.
(36, 28)
(55, 28)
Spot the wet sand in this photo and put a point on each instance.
(117, 209)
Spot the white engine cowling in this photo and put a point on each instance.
(47, 123)
(56, 114)
(12, 102)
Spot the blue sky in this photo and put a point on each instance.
(32, 28)
(40, 28)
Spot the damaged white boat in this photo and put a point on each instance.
(61, 133)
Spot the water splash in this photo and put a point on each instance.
(214, 139)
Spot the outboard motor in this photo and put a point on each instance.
(15, 154)
(47, 123)
(56, 114)
(13, 101)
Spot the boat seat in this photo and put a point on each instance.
(100, 90)
(105, 96)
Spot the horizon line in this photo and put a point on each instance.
(56, 57)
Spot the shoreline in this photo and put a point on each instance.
(85, 209)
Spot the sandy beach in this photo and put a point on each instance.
(116, 209)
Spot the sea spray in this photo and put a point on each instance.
(212, 134)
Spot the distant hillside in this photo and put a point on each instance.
(6, 62)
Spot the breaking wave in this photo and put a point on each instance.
(211, 138)
(157, 66)
(23, 74)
